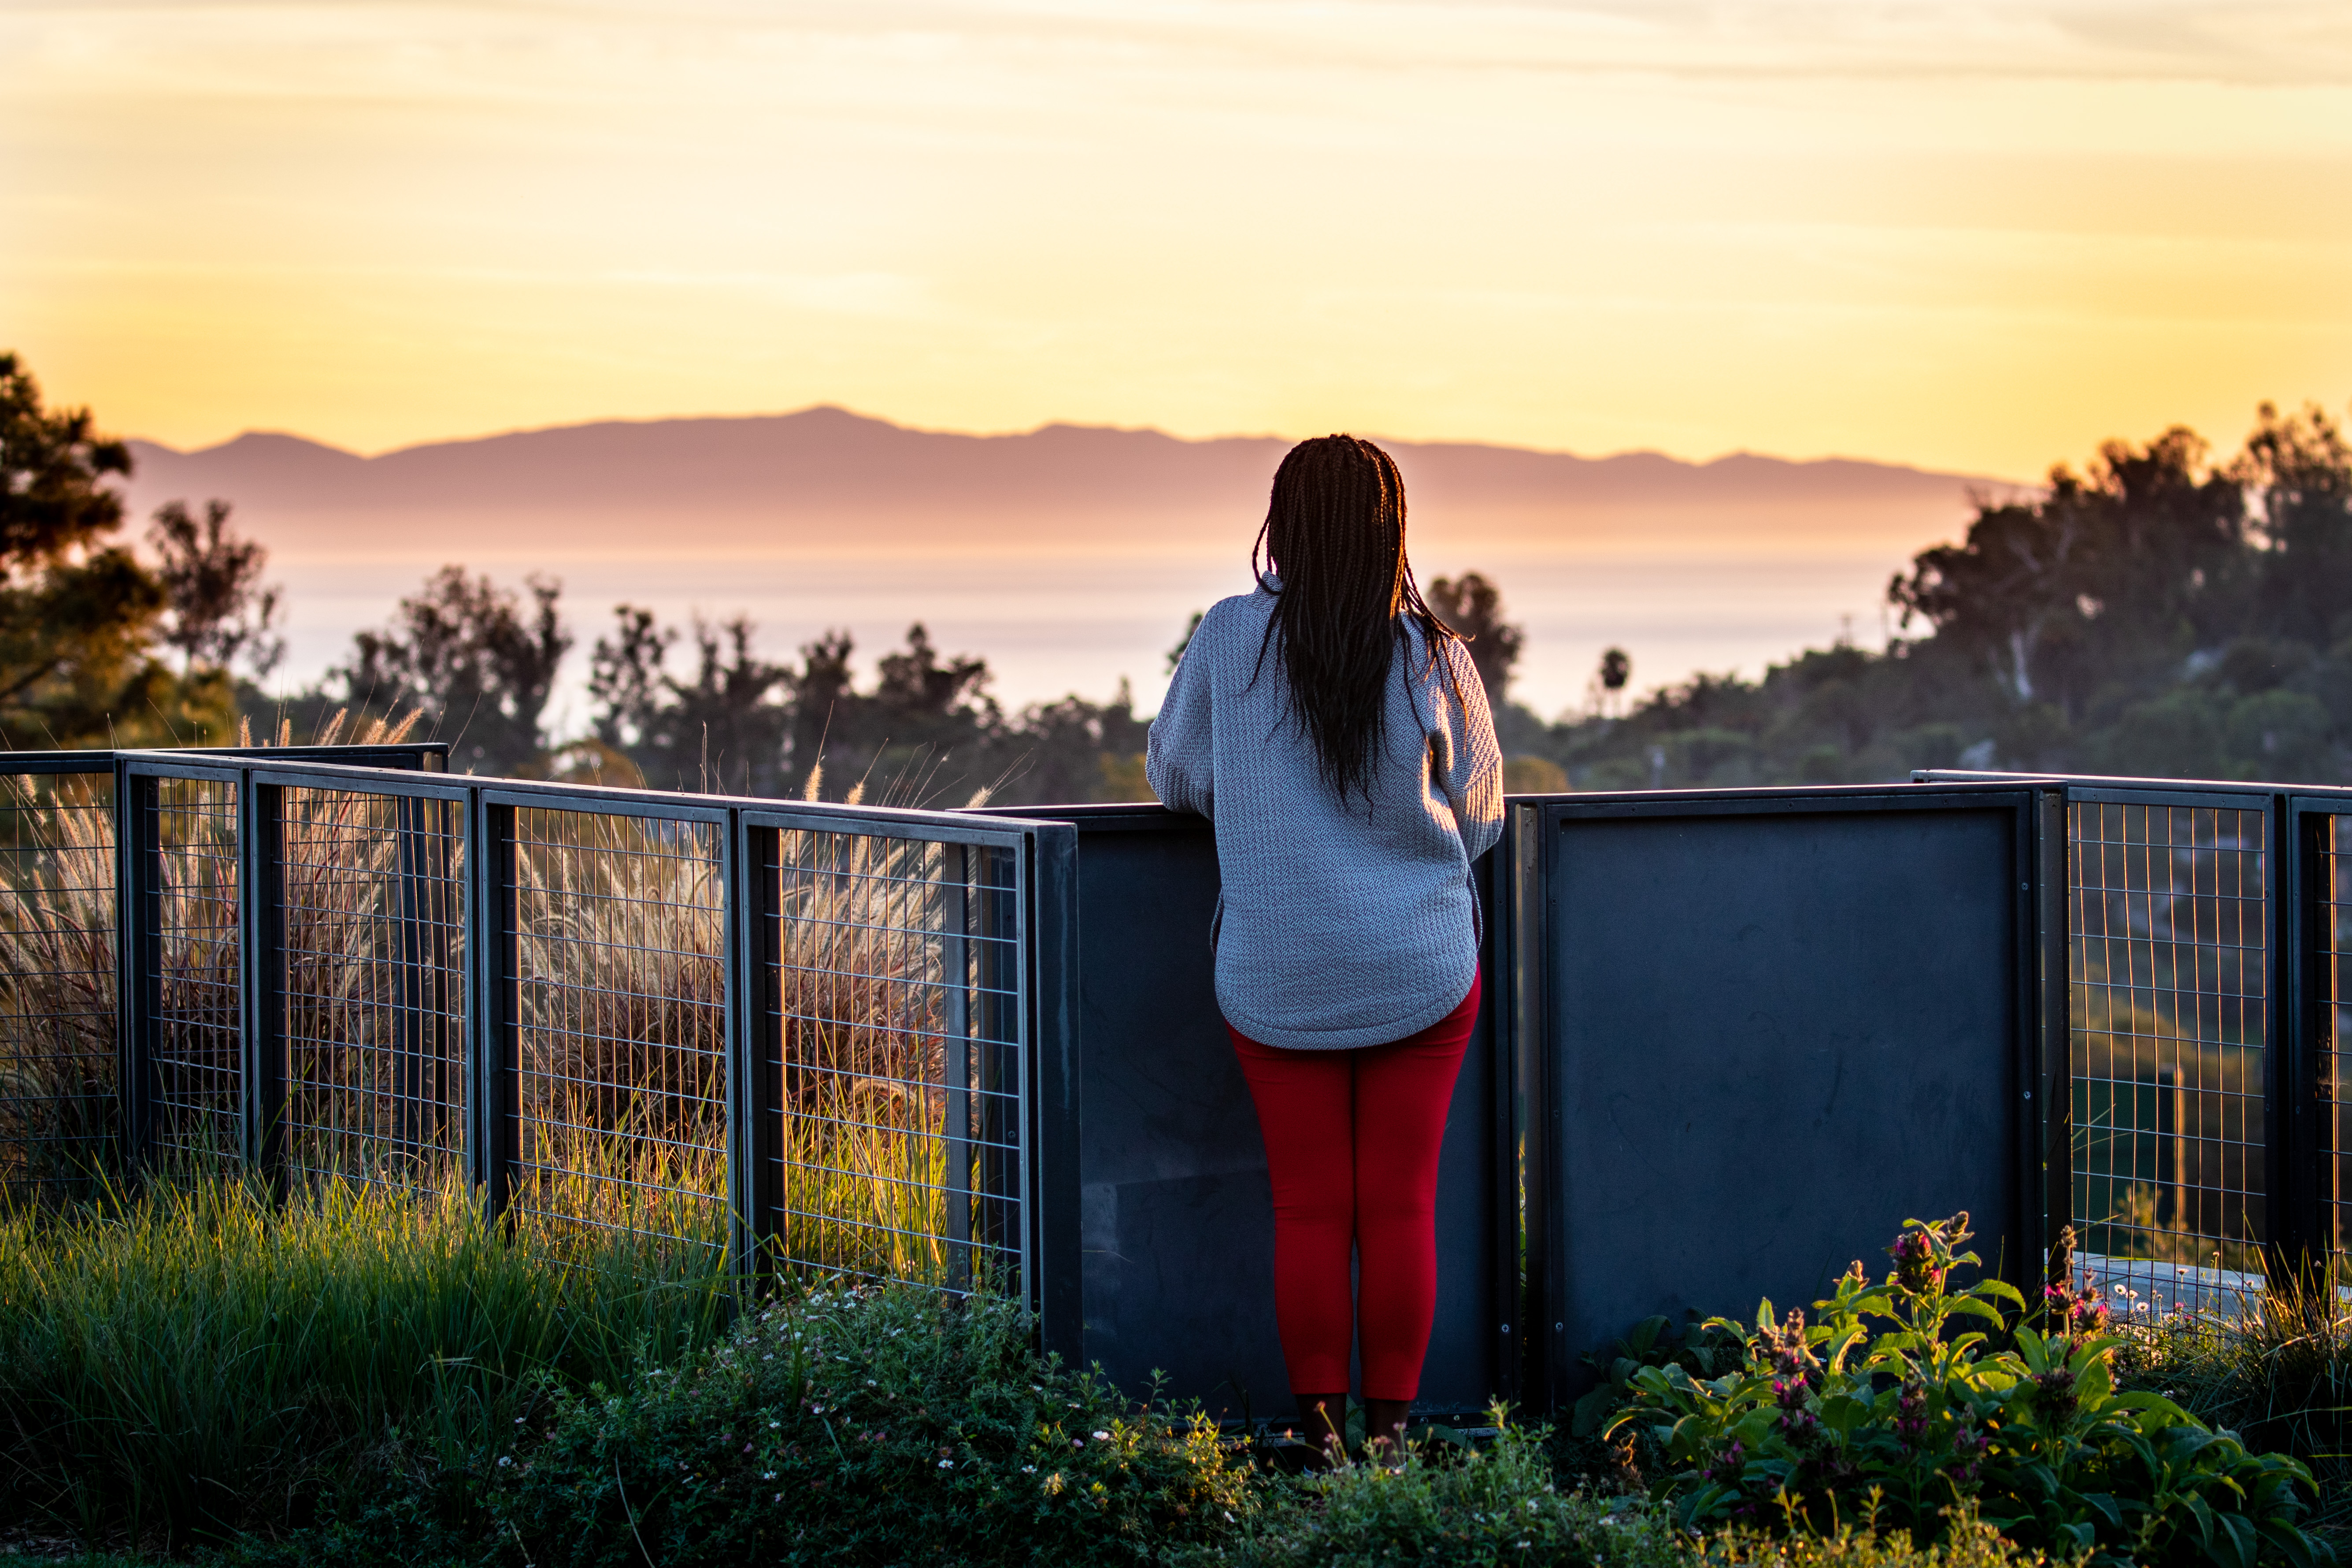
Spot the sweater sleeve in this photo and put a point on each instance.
(1179, 756)
(1469, 758)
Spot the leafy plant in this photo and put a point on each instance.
(1703, 1350)
(1909, 1397)
(2276, 1367)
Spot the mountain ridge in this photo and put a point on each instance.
(825, 479)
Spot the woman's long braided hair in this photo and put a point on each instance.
(1334, 535)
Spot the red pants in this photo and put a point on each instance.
(1351, 1145)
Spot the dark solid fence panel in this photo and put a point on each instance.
(58, 1118)
(2170, 903)
(1174, 1211)
(1761, 1030)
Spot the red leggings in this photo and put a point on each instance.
(1351, 1145)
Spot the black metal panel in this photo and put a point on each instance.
(1057, 1276)
(1768, 1029)
(1175, 1217)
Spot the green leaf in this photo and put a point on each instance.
(2199, 1510)
(2001, 1288)
(2290, 1543)
(2105, 1505)
(2238, 1532)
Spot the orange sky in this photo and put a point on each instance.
(1980, 237)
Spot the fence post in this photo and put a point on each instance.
(2051, 1170)
(493, 1062)
(1528, 838)
(1057, 1285)
(1499, 958)
(955, 1066)
(2298, 1090)
(754, 1072)
(261, 975)
(138, 939)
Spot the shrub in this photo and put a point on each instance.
(1494, 1506)
(1967, 1542)
(1896, 1404)
(893, 1425)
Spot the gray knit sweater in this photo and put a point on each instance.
(1338, 925)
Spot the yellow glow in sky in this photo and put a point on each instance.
(1974, 236)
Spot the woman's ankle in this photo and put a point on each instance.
(1323, 1418)
(1384, 1423)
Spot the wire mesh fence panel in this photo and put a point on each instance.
(59, 1113)
(374, 1021)
(196, 1050)
(620, 1095)
(2331, 940)
(895, 1023)
(2170, 965)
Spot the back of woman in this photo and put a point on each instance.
(1344, 920)
(1335, 734)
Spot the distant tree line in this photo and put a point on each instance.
(2154, 614)
(697, 708)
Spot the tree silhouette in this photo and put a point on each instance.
(78, 614)
(467, 652)
(212, 581)
(1473, 606)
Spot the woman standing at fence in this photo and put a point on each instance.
(1336, 732)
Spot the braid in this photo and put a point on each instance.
(1335, 532)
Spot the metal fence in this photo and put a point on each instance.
(1731, 1035)
(1757, 1031)
(808, 1034)
(2204, 1126)
(59, 1105)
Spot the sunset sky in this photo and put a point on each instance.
(1972, 236)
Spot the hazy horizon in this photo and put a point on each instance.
(1069, 557)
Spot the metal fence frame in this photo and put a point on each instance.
(2307, 915)
(2302, 1079)
(1035, 997)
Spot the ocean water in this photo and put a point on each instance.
(1049, 626)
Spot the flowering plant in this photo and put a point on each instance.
(1904, 1398)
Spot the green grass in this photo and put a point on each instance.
(200, 1359)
